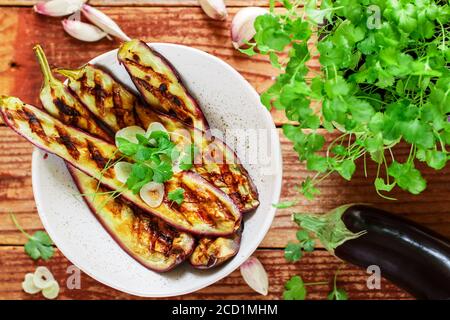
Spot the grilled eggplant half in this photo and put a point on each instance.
(206, 209)
(212, 252)
(146, 238)
(159, 83)
(62, 104)
(216, 162)
(102, 95)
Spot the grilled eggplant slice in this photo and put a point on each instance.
(216, 162)
(146, 238)
(159, 83)
(102, 95)
(62, 104)
(205, 211)
(211, 252)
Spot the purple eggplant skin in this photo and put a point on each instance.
(409, 255)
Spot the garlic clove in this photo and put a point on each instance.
(82, 31)
(242, 26)
(255, 275)
(152, 193)
(129, 133)
(28, 285)
(42, 277)
(52, 291)
(104, 22)
(122, 170)
(58, 8)
(155, 126)
(214, 9)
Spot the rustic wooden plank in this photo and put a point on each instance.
(145, 3)
(430, 208)
(316, 266)
(20, 75)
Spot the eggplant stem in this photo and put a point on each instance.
(69, 73)
(328, 228)
(43, 63)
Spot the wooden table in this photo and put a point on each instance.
(183, 22)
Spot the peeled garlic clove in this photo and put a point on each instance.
(58, 8)
(104, 22)
(242, 26)
(28, 285)
(42, 277)
(255, 276)
(122, 170)
(82, 31)
(214, 9)
(152, 193)
(129, 133)
(52, 291)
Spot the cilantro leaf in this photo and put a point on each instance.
(293, 252)
(39, 245)
(295, 289)
(176, 195)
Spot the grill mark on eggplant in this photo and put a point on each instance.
(34, 124)
(117, 109)
(65, 109)
(70, 145)
(98, 158)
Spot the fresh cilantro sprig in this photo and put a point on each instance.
(294, 250)
(296, 289)
(39, 245)
(383, 80)
(153, 157)
(176, 195)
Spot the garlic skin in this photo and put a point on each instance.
(255, 275)
(58, 8)
(82, 31)
(215, 9)
(104, 22)
(242, 26)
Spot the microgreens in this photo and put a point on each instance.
(152, 156)
(383, 80)
(176, 195)
(39, 244)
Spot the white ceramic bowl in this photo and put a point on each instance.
(228, 101)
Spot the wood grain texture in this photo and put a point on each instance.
(316, 266)
(20, 72)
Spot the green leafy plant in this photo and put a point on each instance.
(39, 245)
(153, 158)
(294, 250)
(384, 79)
(296, 289)
(176, 195)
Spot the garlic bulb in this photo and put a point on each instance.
(153, 194)
(242, 26)
(255, 276)
(104, 22)
(214, 9)
(58, 8)
(129, 133)
(122, 170)
(82, 31)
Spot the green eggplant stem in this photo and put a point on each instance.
(69, 73)
(43, 63)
